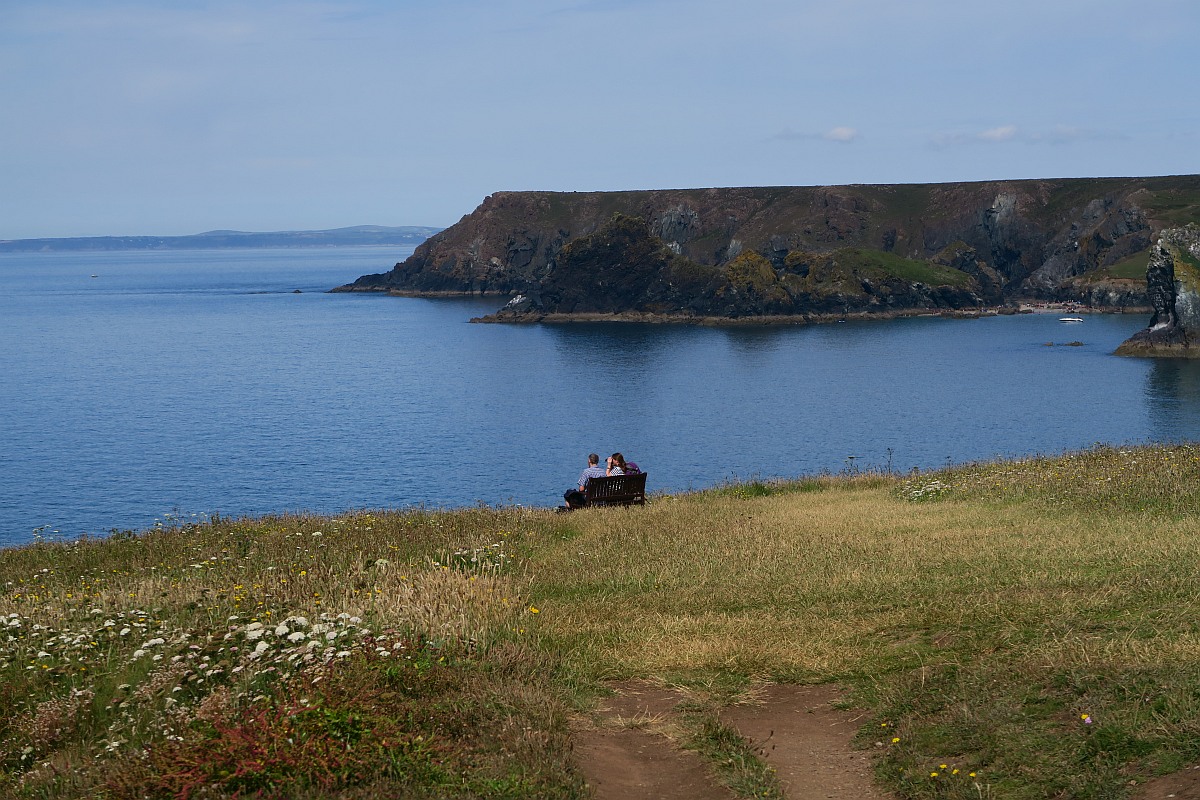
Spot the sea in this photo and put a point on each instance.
(141, 388)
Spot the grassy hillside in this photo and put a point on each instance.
(1130, 269)
(1031, 625)
(856, 263)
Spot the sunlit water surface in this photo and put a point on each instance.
(199, 382)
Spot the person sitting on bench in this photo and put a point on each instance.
(575, 497)
(627, 467)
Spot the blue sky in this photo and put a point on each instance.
(178, 117)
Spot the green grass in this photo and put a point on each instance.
(1130, 269)
(1190, 260)
(1032, 622)
(1175, 205)
(732, 756)
(879, 265)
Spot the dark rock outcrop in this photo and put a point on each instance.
(1173, 288)
(745, 252)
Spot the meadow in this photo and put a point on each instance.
(1016, 629)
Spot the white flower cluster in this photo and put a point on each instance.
(490, 560)
(918, 491)
(295, 642)
(23, 639)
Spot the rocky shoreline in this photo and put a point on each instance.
(803, 319)
(1173, 287)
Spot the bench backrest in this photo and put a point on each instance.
(616, 488)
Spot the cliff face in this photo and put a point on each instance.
(798, 250)
(1173, 288)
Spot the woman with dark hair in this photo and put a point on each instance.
(616, 464)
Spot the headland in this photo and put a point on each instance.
(802, 253)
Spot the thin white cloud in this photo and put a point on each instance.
(841, 134)
(1001, 134)
(1058, 134)
(1064, 133)
(1069, 134)
(838, 134)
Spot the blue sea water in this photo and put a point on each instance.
(200, 382)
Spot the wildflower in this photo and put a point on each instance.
(1087, 719)
(895, 740)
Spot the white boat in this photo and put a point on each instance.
(1070, 319)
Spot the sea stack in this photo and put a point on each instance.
(1173, 289)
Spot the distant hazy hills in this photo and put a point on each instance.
(358, 234)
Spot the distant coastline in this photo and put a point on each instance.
(219, 240)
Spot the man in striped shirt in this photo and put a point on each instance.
(575, 497)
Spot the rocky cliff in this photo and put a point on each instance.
(1173, 289)
(802, 250)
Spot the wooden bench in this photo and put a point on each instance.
(616, 490)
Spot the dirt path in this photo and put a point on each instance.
(1182, 785)
(807, 740)
(627, 751)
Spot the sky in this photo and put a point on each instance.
(171, 118)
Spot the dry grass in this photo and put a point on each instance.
(981, 619)
(1033, 623)
(826, 583)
